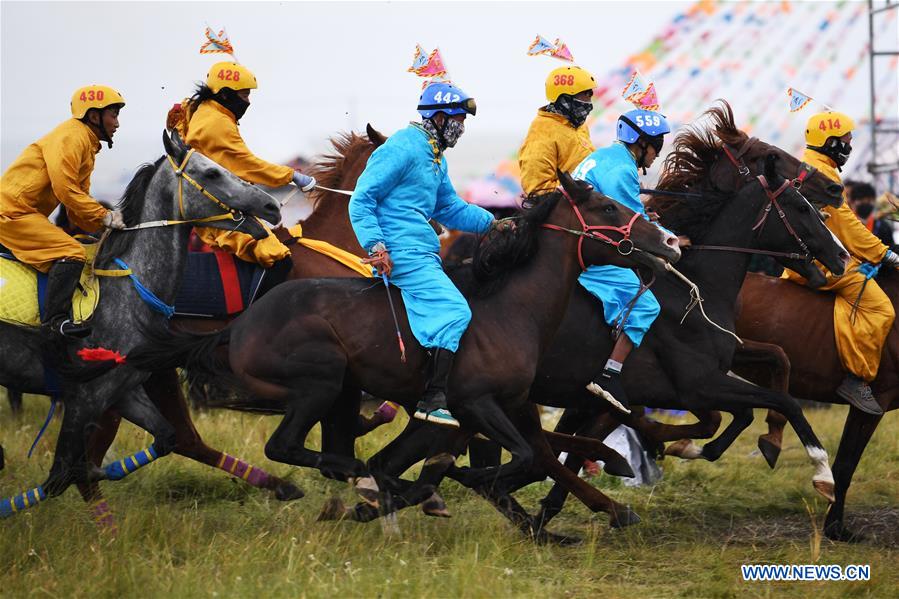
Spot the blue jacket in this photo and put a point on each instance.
(612, 171)
(404, 184)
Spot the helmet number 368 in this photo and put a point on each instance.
(446, 97)
(647, 120)
(563, 80)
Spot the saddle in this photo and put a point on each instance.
(23, 289)
(217, 285)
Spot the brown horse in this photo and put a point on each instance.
(329, 221)
(802, 324)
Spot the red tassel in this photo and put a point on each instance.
(100, 354)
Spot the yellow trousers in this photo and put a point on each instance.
(37, 242)
(859, 343)
(263, 252)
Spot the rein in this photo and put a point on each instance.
(625, 246)
(230, 213)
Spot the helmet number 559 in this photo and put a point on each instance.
(648, 121)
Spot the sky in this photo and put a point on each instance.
(322, 67)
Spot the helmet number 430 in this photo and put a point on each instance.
(648, 121)
(91, 95)
(829, 124)
(446, 97)
(229, 75)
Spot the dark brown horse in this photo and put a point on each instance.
(802, 324)
(329, 221)
(331, 344)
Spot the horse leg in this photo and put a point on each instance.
(712, 450)
(591, 448)
(856, 433)
(165, 390)
(771, 443)
(98, 444)
(15, 401)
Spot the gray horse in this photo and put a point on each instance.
(181, 186)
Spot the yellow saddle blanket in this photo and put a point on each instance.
(350, 260)
(19, 291)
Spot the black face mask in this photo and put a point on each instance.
(234, 103)
(864, 210)
(576, 111)
(835, 149)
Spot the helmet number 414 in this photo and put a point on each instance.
(829, 124)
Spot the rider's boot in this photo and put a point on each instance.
(61, 282)
(858, 393)
(433, 406)
(608, 386)
(274, 275)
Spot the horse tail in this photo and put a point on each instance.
(171, 349)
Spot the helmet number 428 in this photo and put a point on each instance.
(229, 75)
(648, 121)
(91, 95)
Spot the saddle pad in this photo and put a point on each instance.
(216, 285)
(22, 291)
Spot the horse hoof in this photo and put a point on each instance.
(685, 449)
(618, 466)
(837, 531)
(770, 450)
(367, 489)
(435, 506)
(622, 518)
(825, 489)
(334, 509)
(286, 491)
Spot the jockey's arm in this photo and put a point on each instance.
(538, 162)
(64, 159)
(859, 241)
(384, 170)
(455, 213)
(232, 152)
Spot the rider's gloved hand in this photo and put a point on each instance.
(114, 220)
(891, 259)
(379, 258)
(304, 182)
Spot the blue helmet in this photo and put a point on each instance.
(636, 123)
(445, 97)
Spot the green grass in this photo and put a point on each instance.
(188, 530)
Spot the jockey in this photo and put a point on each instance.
(405, 184)
(209, 124)
(558, 138)
(54, 170)
(612, 171)
(862, 314)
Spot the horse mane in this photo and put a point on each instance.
(328, 169)
(688, 168)
(130, 205)
(498, 253)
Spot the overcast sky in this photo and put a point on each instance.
(322, 67)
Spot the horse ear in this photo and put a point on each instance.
(174, 146)
(770, 166)
(375, 136)
(577, 189)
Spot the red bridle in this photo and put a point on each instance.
(625, 245)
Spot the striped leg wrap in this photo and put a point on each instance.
(17, 503)
(124, 467)
(254, 476)
(103, 516)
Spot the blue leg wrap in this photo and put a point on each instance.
(17, 503)
(122, 468)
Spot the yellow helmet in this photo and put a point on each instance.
(568, 80)
(231, 75)
(828, 124)
(94, 96)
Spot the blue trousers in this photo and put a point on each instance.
(438, 313)
(615, 287)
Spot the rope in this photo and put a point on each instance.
(696, 300)
(145, 294)
(40, 433)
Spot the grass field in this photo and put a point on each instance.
(187, 530)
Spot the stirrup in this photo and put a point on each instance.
(598, 391)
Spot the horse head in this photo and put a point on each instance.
(205, 190)
(612, 233)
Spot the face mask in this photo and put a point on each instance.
(836, 150)
(452, 131)
(234, 103)
(576, 111)
(864, 210)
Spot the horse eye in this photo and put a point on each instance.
(609, 208)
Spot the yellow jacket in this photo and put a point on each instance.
(551, 144)
(859, 241)
(212, 131)
(55, 169)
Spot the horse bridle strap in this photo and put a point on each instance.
(230, 213)
(736, 157)
(625, 246)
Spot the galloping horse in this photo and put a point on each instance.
(183, 186)
(331, 343)
(684, 365)
(802, 324)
